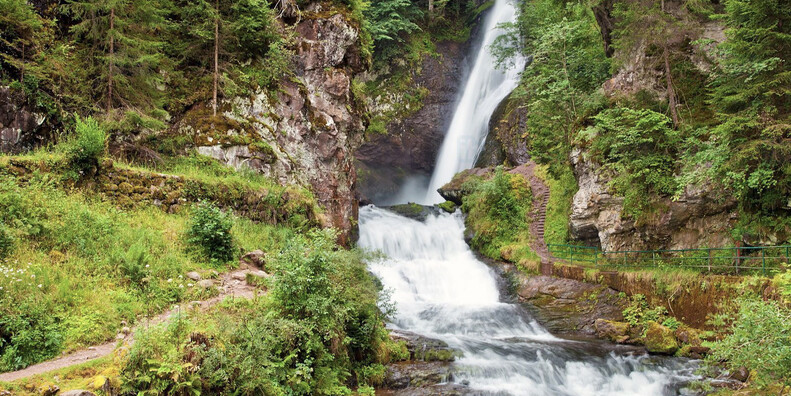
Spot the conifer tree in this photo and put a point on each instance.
(752, 94)
(123, 44)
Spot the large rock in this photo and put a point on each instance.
(569, 306)
(311, 126)
(660, 339)
(22, 127)
(612, 330)
(701, 216)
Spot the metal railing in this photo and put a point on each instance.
(728, 260)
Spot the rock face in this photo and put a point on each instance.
(313, 123)
(701, 216)
(412, 143)
(21, 127)
(505, 143)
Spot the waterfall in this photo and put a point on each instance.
(442, 291)
(485, 88)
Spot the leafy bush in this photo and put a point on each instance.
(6, 241)
(318, 332)
(760, 339)
(639, 149)
(497, 211)
(87, 146)
(638, 312)
(210, 230)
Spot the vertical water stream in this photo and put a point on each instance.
(442, 291)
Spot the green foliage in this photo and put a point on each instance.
(752, 96)
(6, 241)
(318, 331)
(561, 193)
(639, 312)
(87, 146)
(760, 339)
(638, 149)
(497, 211)
(210, 230)
(558, 87)
(389, 20)
(80, 267)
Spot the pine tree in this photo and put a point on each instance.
(21, 32)
(123, 45)
(752, 94)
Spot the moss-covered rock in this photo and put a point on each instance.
(660, 339)
(612, 330)
(448, 206)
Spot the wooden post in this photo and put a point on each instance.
(709, 259)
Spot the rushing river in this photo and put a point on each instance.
(442, 291)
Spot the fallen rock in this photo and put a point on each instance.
(741, 374)
(612, 330)
(239, 275)
(206, 284)
(255, 259)
(660, 339)
(193, 275)
(259, 274)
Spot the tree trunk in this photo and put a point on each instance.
(22, 69)
(110, 63)
(671, 92)
(430, 7)
(216, 56)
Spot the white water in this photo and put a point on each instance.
(442, 291)
(486, 87)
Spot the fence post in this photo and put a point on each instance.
(571, 249)
(709, 259)
(596, 258)
(763, 261)
(624, 259)
(653, 258)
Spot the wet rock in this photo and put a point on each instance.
(404, 375)
(413, 211)
(688, 335)
(255, 259)
(567, 306)
(49, 390)
(448, 206)
(424, 348)
(612, 330)
(660, 339)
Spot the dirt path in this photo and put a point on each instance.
(231, 284)
(539, 212)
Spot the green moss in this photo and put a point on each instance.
(660, 339)
(448, 206)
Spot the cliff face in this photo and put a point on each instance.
(701, 216)
(22, 126)
(412, 143)
(307, 132)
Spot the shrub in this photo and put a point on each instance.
(87, 146)
(497, 211)
(760, 339)
(6, 241)
(210, 231)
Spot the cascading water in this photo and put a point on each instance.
(486, 87)
(442, 291)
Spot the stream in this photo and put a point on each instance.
(442, 291)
